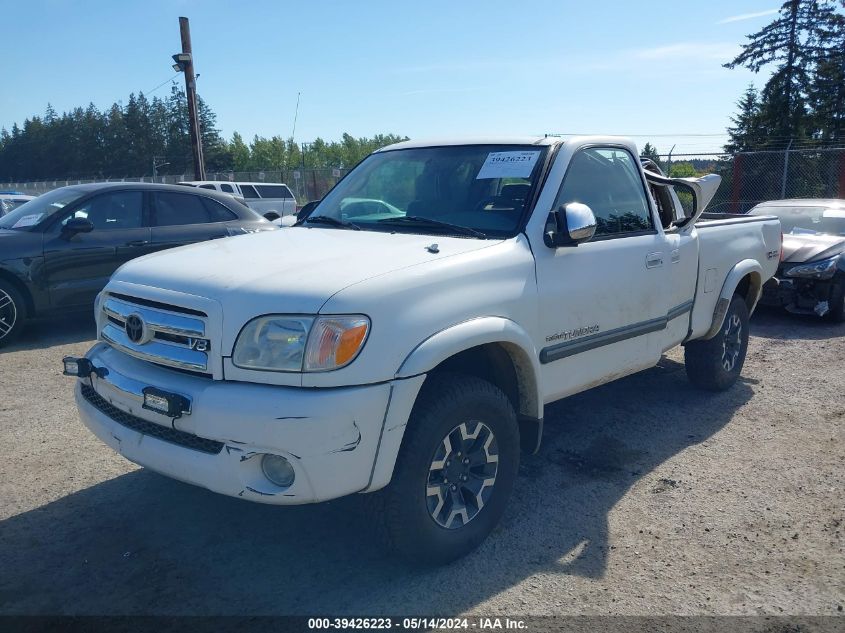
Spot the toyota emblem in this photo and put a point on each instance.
(135, 328)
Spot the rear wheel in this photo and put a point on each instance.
(12, 313)
(454, 472)
(716, 363)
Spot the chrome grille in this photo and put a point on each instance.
(156, 334)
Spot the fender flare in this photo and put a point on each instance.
(12, 277)
(736, 274)
(483, 331)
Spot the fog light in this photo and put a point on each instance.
(78, 367)
(170, 404)
(278, 470)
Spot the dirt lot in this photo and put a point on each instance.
(648, 497)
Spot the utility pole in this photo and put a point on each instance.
(185, 63)
(785, 171)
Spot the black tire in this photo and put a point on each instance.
(837, 301)
(12, 313)
(411, 518)
(716, 363)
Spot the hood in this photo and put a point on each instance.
(809, 248)
(294, 270)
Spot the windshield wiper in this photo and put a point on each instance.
(327, 219)
(416, 219)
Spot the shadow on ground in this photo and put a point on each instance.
(776, 323)
(143, 544)
(48, 332)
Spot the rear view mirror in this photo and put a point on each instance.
(77, 225)
(570, 225)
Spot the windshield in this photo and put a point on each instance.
(468, 190)
(35, 211)
(807, 220)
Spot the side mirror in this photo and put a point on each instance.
(570, 225)
(272, 216)
(306, 209)
(288, 220)
(77, 225)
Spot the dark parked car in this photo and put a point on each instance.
(59, 250)
(811, 275)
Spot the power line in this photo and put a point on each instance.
(161, 84)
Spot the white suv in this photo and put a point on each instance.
(263, 197)
(11, 200)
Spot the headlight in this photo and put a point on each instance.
(292, 343)
(825, 269)
(274, 342)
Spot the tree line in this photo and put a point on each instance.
(803, 102)
(127, 140)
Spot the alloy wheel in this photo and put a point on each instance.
(731, 342)
(8, 314)
(462, 474)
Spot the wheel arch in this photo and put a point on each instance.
(20, 286)
(494, 348)
(744, 279)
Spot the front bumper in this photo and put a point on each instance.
(797, 295)
(331, 437)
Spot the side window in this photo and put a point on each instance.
(273, 191)
(249, 192)
(118, 210)
(172, 209)
(608, 181)
(217, 212)
(227, 188)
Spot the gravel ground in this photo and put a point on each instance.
(648, 497)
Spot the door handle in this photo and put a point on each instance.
(137, 243)
(653, 260)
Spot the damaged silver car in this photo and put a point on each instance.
(811, 275)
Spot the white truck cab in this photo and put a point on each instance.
(404, 338)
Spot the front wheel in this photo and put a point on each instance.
(716, 363)
(454, 472)
(12, 313)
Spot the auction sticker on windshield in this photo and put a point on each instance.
(27, 220)
(508, 165)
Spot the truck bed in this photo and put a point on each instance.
(724, 240)
(720, 219)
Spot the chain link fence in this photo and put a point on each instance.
(306, 184)
(748, 178)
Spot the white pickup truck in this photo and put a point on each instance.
(406, 337)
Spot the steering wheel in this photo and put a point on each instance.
(484, 202)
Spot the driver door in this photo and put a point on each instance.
(600, 300)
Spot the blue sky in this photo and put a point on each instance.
(425, 69)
